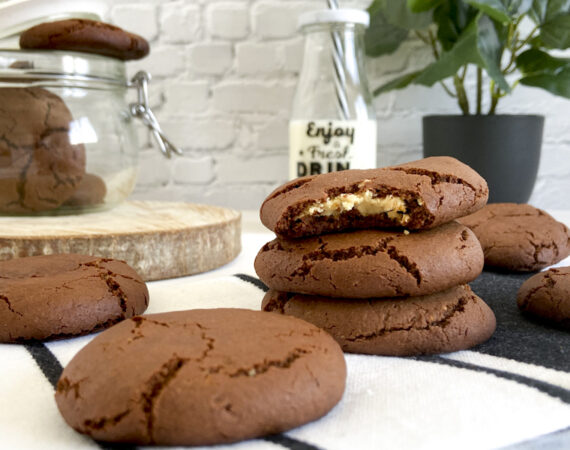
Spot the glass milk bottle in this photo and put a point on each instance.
(332, 126)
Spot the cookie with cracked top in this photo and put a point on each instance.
(417, 195)
(455, 319)
(60, 296)
(546, 296)
(201, 377)
(372, 263)
(39, 166)
(519, 237)
(88, 36)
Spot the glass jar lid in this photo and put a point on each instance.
(59, 68)
(50, 68)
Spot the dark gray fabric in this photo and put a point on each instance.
(518, 337)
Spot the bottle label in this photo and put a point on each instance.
(321, 146)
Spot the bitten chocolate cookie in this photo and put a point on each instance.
(447, 321)
(39, 167)
(87, 36)
(417, 195)
(372, 263)
(59, 296)
(519, 237)
(546, 296)
(201, 377)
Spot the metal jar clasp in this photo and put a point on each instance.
(142, 110)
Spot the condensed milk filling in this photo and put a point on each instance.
(364, 202)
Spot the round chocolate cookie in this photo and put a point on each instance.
(201, 377)
(417, 195)
(372, 263)
(39, 167)
(455, 319)
(87, 36)
(59, 296)
(90, 192)
(519, 237)
(546, 296)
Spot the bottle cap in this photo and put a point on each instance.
(356, 16)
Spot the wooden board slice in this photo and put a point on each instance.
(159, 240)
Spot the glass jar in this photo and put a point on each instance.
(67, 143)
(333, 124)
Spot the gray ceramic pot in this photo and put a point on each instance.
(505, 150)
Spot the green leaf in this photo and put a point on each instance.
(503, 11)
(397, 83)
(556, 32)
(541, 70)
(538, 11)
(537, 62)
(558, 84)
(397, 13)
(479, 45)
(381, 36)
(493, 8)
(452, 18)
(543, 11)
(490, 51)
(422, 5)
(517, 8)
(553, 17)
(463, 52)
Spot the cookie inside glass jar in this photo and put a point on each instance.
(40, 168)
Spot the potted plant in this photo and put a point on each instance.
(502, 43)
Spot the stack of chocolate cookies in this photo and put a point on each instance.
(375, 257)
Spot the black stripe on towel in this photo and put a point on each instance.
(255, 281)
(290, 443)
(547, 388)
(52, 369)
(46, 360)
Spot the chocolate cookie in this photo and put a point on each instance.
(58, 296)
(417, 195)
(201, 377)
(447, 321)
(372, 263)
(39, 167)
(519, 237)
(82, 35)
(91, 191)
(546, 296)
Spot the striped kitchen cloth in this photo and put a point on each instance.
(512, 391)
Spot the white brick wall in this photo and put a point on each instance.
(224, 76)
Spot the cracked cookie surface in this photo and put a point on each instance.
(201, 377)
(39, 166)
(546, 296)
(417, 195)
(519, 237)
(87, 36)
(60, 296)
(372, 263)
(455, 319)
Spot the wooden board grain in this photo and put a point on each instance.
(158, 239)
